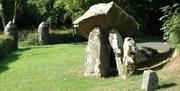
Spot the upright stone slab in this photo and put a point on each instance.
(149, 81)
(116, 43)
(129, 49)
(43, 33)
(10, 30)
(97, 55)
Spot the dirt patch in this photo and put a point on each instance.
(173, 67)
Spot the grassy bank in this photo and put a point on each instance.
(60, 68)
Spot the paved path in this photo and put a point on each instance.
(160, 46)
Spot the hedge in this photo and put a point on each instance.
(6, 43)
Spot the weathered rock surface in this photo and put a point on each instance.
(129, 63)
(150, 52)
(43, 33)
(107, 16)
(145, 54)
(10, 30)
(149, 81)
(97, 55)
(116, 43)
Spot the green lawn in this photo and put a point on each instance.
(60, 68)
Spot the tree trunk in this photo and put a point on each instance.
(14, 15)
(6, 10)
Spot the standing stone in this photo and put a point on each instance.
(10, 30)
(43, 33)
(149, 81)
(130, 50)
(97, 55)
(116, 43)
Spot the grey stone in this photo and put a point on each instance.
(43, 33)
(10, 30)
(129, 63)
(149, 81)
(116, 43)
(140, 57)
(97, 55)
(150, 52)
(107, 16)
(145, 54)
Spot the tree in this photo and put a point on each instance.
(171, 26)
(6, 10)
(17, 4)
(48, 11)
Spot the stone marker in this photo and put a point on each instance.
(116, 43)
(97, 55)
(10, 29)
(129, 65)
(149, 81)
(43, 33)
(107, 16)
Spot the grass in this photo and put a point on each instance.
(60, 68)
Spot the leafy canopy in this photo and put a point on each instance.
(171, 26)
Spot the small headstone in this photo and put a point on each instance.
(10, 30)
(116, 43)
(43, 33)
(149, 81)
(97, 55)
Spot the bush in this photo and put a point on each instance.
(6, 43)
(171, 26)
(57, 36)
(27, 37)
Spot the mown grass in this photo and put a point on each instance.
(60, 68)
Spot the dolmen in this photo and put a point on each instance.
(111, 48)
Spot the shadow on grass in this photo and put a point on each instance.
(65, 38)
(168, 85)
(12, 57)
(79, 43)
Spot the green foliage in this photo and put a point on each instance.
(6, 10)
(171, 26)
(61, 13)
(75, 8)
(64, 36)
(147, 13)
(27, 19)
(6, 43)
(28, 37)
(40, 5)
(48, 11)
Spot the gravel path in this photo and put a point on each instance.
(160, 46)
